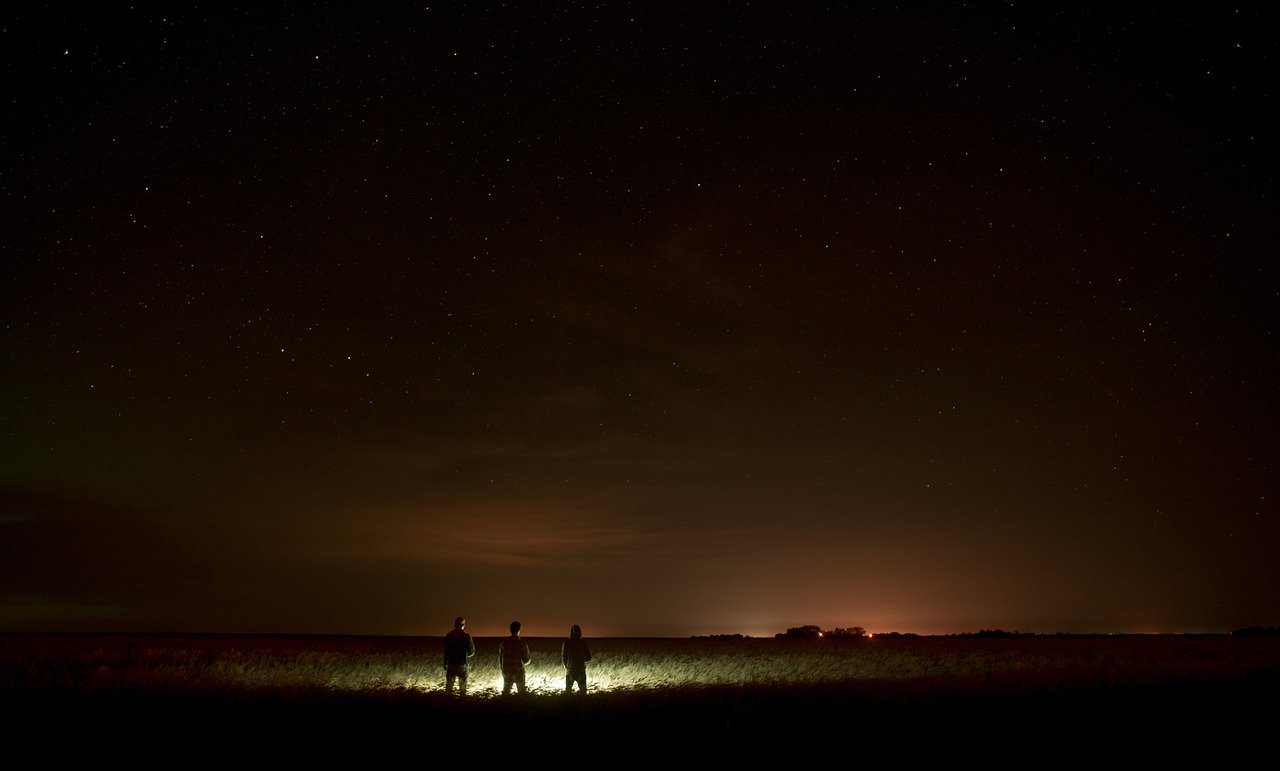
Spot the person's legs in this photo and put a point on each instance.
(456, 672)
(506, 684)
(520, 683)
(578, 676)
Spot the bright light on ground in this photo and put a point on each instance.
(535, 683)
(625, 665)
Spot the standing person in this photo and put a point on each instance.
(458, 647)
(513, 654)
(575, 654)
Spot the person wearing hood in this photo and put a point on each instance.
(575, 654)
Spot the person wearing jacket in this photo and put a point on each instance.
(513, 654)
(458, 647)
(575, 654)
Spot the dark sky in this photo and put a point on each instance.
(651, 319)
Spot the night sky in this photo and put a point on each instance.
(657, 320)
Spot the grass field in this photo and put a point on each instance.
(1210, 694)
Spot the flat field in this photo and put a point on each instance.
(1159, 695)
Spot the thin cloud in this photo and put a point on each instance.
(530, 538)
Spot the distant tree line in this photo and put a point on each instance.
(993, 633)
(813, 632)
(1257, 631)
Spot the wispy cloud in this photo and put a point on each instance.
(551, 546)
(437, 453)
(33, 612)
(532, 538)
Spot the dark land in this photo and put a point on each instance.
(1048, 698)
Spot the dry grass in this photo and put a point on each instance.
(90, 664)
(1065, 692)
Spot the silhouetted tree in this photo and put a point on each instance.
(807, 632)
(995, 633)
(813, 631)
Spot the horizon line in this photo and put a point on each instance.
(990, 632)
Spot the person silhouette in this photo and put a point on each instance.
(458, 647)
(513, 654)
(575, 654)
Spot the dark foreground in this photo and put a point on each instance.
(930, 719)
(1220, 711)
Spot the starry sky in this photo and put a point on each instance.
(660, 320)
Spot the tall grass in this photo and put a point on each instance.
(311, 699)
(211, 664)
